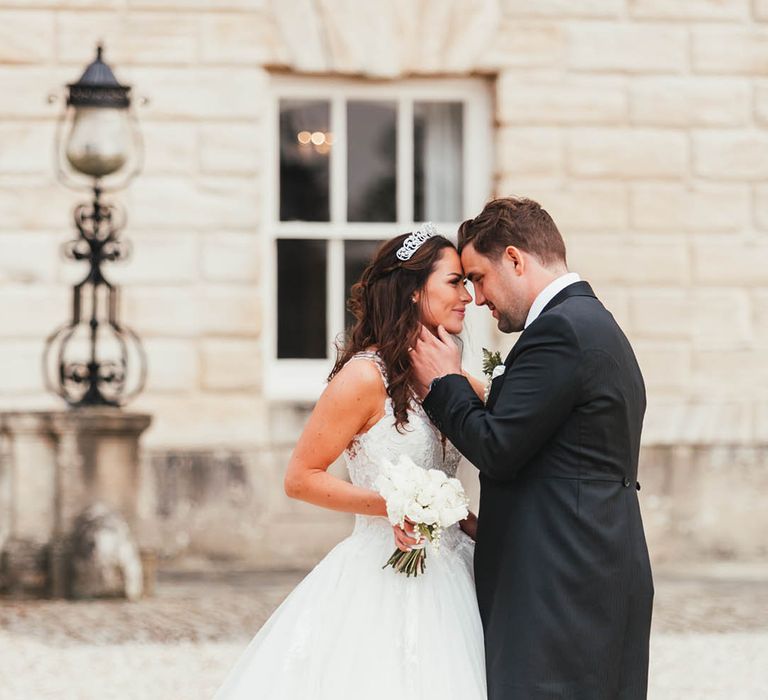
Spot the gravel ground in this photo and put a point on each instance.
(710, 638)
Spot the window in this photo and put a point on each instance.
(354, 164)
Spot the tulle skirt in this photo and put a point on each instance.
(353, 630)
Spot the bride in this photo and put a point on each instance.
(351, 629)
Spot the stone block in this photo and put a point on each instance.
(558, 9)
(470, 27)
(27, 89)
(207, 420)
(732, 264)
(616, 300)
(199, 93)
(231, 149)
(685, 101)
(666, 366)
(232, 257)
(584, 207)
(760, 10)
(229, 365)
(239, 39)
(175, 202)
(761, 421)
(525, 45)
(708, 317)
(26, 36)
(24, 568)
(170, 312)
(575, 100)
(761, 206)
(51, 307)
(626, 153)
(173, 365)
(660, 313)
(66, 4)
(731, 154)
(630, 48)
(104, 556)
(21, 362)
(300, 25)
(761, 103)
(169, 148)
(154, 38)
(760, 315)
(29, 258)
(31, 203)
(530, 152)
(677, 420)
(730, 373)
(740, 50)
(194, 5)
(690, 9)
(701, 207)
(27, 147)
(234, 311)
(158, 259)
(621, 261)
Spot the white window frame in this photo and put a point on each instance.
(303, 380)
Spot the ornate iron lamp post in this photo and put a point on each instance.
(94, 359)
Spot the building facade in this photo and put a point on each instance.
(284, 139)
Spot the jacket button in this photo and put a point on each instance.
(627, 482)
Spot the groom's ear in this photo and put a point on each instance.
(515, 258)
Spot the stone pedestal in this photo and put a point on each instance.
(53, 465)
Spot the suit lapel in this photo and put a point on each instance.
(577, 289)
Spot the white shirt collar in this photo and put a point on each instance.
(548, 294)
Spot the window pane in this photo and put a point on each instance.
(438, 166)
(305, 146)
(371, 161)
(301, 309)
(357, 255)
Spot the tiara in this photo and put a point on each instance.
(416, 240)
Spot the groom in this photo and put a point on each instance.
(561, 566)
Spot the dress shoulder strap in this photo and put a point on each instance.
(373, 356)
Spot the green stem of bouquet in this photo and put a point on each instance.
(411, 563)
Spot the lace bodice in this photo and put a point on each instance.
(419, 439)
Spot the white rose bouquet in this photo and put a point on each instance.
(428, 498)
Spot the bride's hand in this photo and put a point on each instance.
(405, 538)
(469, 526)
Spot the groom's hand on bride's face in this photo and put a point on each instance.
(434, 356)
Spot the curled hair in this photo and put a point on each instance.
(386, 317)
(514, 221)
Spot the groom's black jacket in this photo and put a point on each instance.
(561, 565)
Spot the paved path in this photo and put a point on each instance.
(710, 638)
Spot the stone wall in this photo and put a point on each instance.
(640, 124)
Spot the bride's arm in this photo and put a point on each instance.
(477, 384)
(352, 401)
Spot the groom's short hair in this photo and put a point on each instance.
(514, 221)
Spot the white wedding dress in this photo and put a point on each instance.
(352, 630)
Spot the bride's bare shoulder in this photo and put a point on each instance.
(359, 379)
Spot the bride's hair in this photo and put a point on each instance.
(386, 315)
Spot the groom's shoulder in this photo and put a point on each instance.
(575, 318)
(585, 316)
(553, 326)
